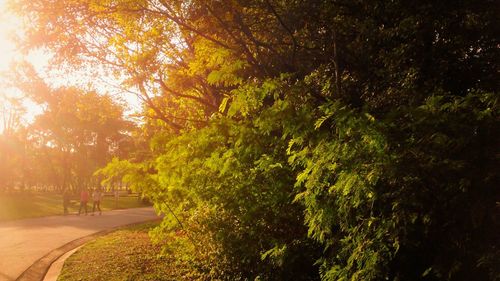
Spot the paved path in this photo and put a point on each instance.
(23, 242)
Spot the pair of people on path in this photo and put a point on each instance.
(96, 199)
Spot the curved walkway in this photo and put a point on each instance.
(24, 242)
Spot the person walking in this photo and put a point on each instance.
(84, 198)
(96, 198)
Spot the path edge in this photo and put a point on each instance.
(38, 270)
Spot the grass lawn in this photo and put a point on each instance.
(33, 204)
(125, 254)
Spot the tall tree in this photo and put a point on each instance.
(79, 132)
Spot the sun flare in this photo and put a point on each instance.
(8, 24)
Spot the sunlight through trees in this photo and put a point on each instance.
(283, 140)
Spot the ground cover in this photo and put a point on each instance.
(126, 254)
(36, 204)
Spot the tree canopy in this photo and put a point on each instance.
(76, 134)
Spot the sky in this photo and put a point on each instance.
(5, 20)
(9, 24)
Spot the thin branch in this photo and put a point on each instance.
(287, 29)
(180, 224)
(160, 113)
(178, 21)
(338, 86)
(223, 24)
(177, 94)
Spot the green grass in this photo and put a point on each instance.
(32, 204)
(125, 254)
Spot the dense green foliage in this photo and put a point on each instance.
(306, 140)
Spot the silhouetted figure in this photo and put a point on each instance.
(84, 198)
(96, 198)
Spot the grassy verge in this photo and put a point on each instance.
(126, 254)
(31, 204)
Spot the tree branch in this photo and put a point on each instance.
(160, 113)
(287, 29)
(178, 94)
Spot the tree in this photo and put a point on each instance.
(12, 146)
(378, 113)
(78, 132)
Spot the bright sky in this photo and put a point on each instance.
(10, 24)
(7, 25)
